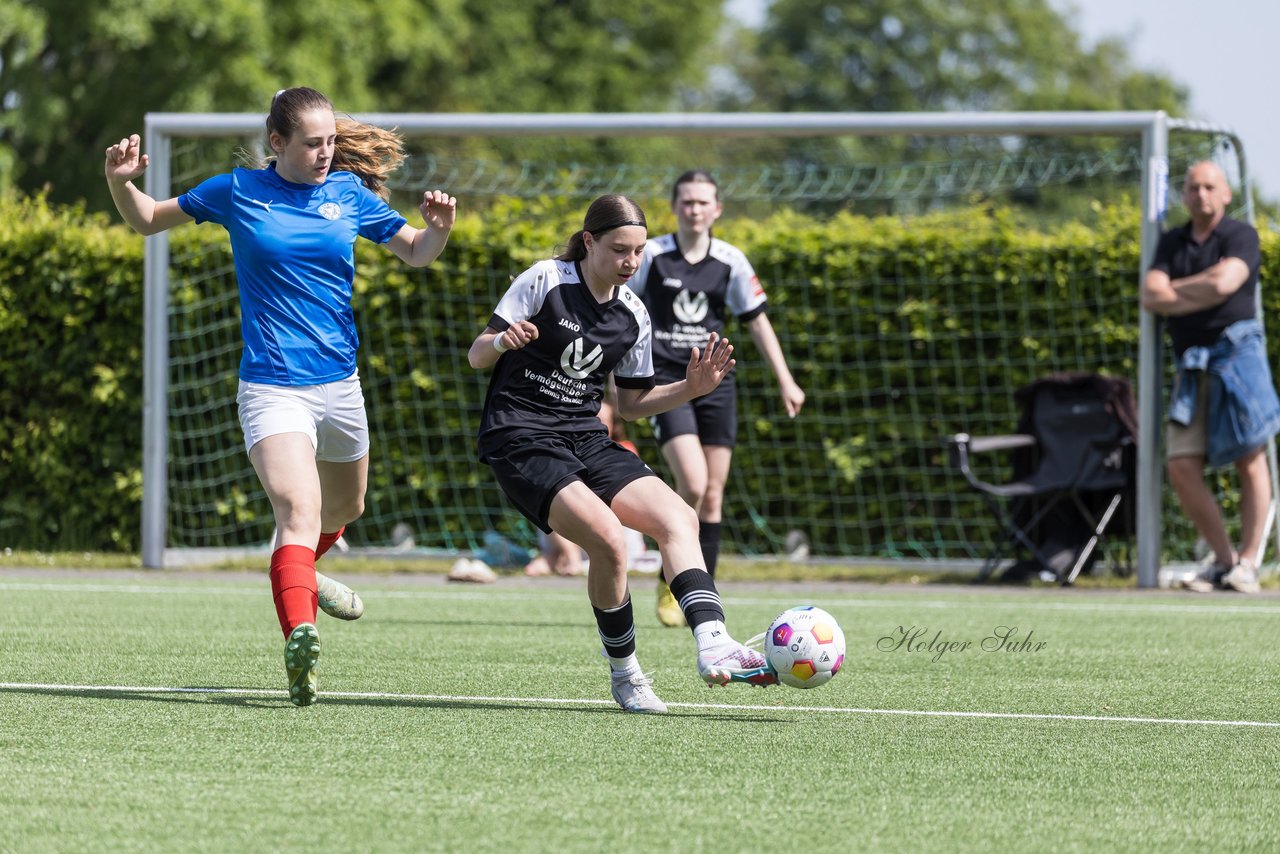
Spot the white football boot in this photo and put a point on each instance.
(634, 692)
(337, 599)
(730, 661)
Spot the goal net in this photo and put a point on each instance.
(899, 329)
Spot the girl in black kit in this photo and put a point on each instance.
(563, 326)
(689, 281)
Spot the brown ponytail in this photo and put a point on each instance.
(369, 152)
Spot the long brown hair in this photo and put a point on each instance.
(604, 215)
(367, 151)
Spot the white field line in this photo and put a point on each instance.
(560, 701)
(491, 595)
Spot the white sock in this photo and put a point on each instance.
(709, 634)
(628, 666)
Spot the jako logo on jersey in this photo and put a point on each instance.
(690, 307)
(576, 365)
(673, 283)
(330, 210)
(569, 324)
(756, 288)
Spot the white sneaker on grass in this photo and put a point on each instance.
(1208, 579)
(634, 693)
(1242, 578)
(337, 599)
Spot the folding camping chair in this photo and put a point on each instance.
(1073, 462)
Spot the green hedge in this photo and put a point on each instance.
(71, 329)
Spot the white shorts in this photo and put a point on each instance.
(331, 415)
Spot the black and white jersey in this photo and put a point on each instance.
(687, 302)
(556, 381)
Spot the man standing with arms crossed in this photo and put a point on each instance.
(1223, 408)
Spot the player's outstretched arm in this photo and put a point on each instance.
(125, 162)
(706, 370)
(418, 247)
(767, 342)
(491, 344)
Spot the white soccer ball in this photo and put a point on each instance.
(805, 647)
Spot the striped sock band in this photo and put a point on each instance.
(695, 590)
(617, 629)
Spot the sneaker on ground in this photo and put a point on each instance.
(1208, 579)
(471, 571)
(733, 662)
(337, 599)
(634, 692)
(1242, 578)
(301, 654)
(669, 613)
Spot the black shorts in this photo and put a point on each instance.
(533, 465)
(713, 418)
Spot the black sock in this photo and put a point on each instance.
(709, 539)
(617, 629)
(695, 590)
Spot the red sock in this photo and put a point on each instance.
(327, 541)
(293, 586)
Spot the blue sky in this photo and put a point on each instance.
(1223, 52)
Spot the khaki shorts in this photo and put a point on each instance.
(1192, 440)
(331, 415)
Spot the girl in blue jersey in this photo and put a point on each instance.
(293, 227)
(689, 282)
(563, 326)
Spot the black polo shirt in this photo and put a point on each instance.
(1178, 256)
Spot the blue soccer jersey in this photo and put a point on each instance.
(294, 249)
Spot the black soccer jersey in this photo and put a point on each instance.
(556, 381)
(687, 302)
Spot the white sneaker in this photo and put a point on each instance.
(733, 662)
(337, 599)
(471, 571)
(634, 692)
(1208, 579)
(1243, 578)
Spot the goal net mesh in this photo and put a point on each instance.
(896, 350)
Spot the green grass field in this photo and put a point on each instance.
(147, 711)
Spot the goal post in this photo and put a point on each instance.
(1151, 129)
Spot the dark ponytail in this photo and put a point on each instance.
(605, 214)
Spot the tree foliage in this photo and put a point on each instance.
(880, 55)
(75, 76)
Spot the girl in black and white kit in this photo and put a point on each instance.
(563, 326)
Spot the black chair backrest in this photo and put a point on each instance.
(1078, 436)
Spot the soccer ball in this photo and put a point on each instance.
(805, 647)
